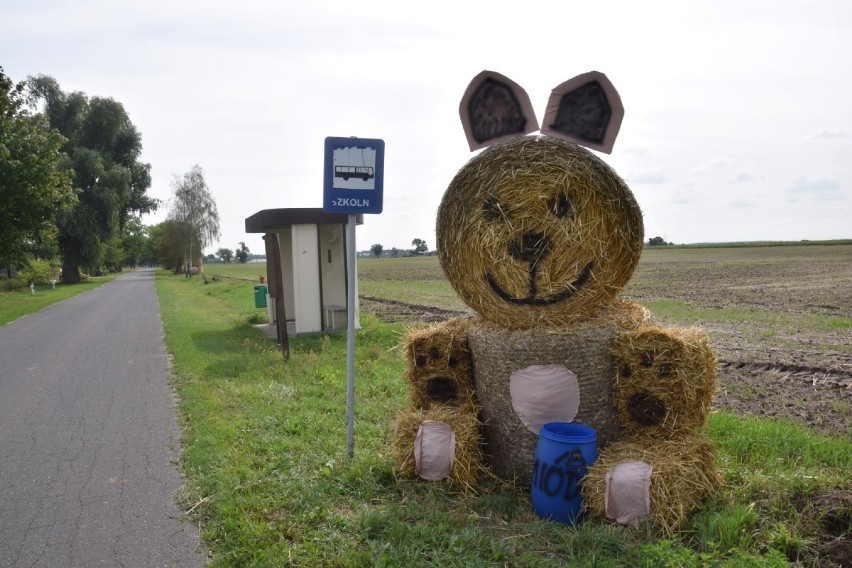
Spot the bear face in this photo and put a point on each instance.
(538, 231)
(665, 381)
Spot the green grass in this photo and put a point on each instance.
(265, 444)
(681, 311)
(248, 271)
(762, 244)
(18, 303)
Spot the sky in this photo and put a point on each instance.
(737, 124)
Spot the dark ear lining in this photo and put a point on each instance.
(585, 110)
(494, 108)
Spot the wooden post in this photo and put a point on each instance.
(273, 252)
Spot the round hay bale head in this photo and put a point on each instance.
(684, 475)
(439, 364)
(467, 465)
(538, 231)
(438, 346)
(526, 378)
(665, 381)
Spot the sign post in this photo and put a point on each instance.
(353, 183)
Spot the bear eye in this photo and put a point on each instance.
(562, 208)
(492, 209)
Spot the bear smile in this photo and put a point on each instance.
(533, 299)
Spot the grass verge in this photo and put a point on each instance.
(18, 303)
(265, 443)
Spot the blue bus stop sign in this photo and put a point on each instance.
(353, 176)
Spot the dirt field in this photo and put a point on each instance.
(780, 319)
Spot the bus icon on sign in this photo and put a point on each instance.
(354, 166)
(353, 175)
(346, 172)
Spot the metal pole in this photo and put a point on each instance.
(350, 343)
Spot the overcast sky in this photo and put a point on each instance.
(737, 120)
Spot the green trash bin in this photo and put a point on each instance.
(260, 295)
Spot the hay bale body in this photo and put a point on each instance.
(538, 231)
(665, 381)
(585, 350)
(684, 475)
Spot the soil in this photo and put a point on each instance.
(810, 387)
(796, 365)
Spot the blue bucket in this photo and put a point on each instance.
(562, 456)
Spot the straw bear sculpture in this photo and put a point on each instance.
(539, 237)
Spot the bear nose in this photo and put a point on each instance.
(530, 247)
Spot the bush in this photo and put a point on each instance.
(40, 272)
(9, 284)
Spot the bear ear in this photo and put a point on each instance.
(585, 110)
(494, 108)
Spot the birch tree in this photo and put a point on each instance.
(193, 209)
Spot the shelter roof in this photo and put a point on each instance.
(268, 220)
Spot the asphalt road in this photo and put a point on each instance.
(88, 437)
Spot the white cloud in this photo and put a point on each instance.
(742, 177)
(742, 204)
(821, 189)
(249, 91)
(685, 195)
(834, 133)
(651, 176)
(714, 164)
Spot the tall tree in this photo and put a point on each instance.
(225, 254)
(32, 187)
(102, 152)
(167, 248)
(419, 246)
(134, 241)
(194, 209)
(377, 249)
(242, 253)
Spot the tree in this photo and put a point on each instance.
(167, 244)
(102, 152)
(194, 213)
(242, 252)
(419, 246)
(657, 241)
(225, 254)
(32, 186)
(135, 241)
(377, 250)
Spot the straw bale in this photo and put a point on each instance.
(538, 231)
(439, 364)
(684, 475)
(583, 349)
(451, 387)
(468, 464)
(665, 381)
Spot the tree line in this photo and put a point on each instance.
(73, 189)
(419, 247)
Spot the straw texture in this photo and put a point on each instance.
(665, 381)
(684, 475)
(584, 349)
(537, 231)
(439, 364)
(468, 466)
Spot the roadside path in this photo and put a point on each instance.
(88, 437)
